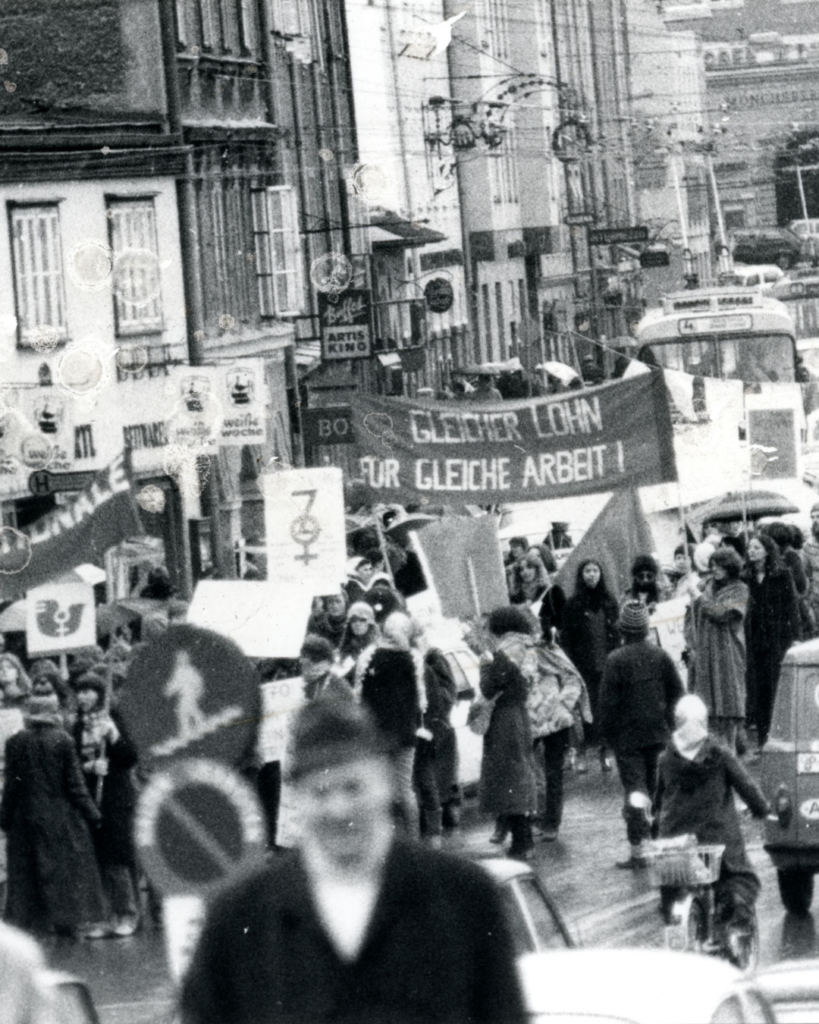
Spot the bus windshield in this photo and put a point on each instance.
(754, 358)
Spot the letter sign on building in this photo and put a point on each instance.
(345, 324)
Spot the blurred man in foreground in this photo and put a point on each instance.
(356, 926)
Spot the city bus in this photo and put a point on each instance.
(727, 332)
(799, 291)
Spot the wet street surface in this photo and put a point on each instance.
(603, 905)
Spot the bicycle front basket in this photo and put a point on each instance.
(692, 865)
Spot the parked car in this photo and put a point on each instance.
(792, 989)
(536, 923)
(789, 774)
(768, 245)
(762, 275)
(638, 986)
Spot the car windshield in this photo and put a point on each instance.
(757, 358)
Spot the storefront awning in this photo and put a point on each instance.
(390, 231)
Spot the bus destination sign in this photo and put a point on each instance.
(716, 324)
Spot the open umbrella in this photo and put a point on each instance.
(564, 373)
(737, 505)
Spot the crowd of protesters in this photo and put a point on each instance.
(558, 678)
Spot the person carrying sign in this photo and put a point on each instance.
(356, 925)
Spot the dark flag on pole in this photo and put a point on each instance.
(96, 519)
(614, 539)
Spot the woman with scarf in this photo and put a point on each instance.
(107, 755)
(717, 662)
(508, 787)
(588, 634)
(46, 813)
(529, 585)
(695, 795)
(391, 685)
(360, 634)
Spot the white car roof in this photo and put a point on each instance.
(646, 986)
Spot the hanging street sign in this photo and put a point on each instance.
(439, 295)
(579, 219)
(654, 258)
(618, 236)
(42, 482)
(345, 324)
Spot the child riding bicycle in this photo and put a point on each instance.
(695, 795)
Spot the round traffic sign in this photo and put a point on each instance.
(439, 295)
(195, 825)
(191, 693)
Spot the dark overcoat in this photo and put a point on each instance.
(117, 796)
(508, 779)
(718, 666)
(45, 812)
(437, 949)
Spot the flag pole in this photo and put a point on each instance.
(473, 586)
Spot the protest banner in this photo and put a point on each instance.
(263, 618)
(101, 516)
(462, 560)
(567, 444)
(60, 617)
(667, 628)
(305, 529)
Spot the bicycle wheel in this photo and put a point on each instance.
(694, 923)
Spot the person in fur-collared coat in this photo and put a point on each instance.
(718, 663)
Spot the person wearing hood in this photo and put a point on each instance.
(47, 813)
(390, 680)
(360, 634)
(698, 778)
(638, 694)
(718, 651)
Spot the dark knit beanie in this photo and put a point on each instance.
(509, 619)
(327, 733)
(634, 618)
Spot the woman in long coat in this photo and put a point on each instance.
(771, 626)
(718, 665)
(46, 812)
(108, 754)
(588, 634)
(508, 784)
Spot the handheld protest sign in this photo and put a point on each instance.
(191, 693)
(196, 824)
(60, 617)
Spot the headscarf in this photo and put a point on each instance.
(691, 722)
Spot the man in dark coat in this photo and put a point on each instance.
(354, 926)
(53, 882)
(640, 688)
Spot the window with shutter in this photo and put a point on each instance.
(136, 277)
(38, 270)
(278, 251)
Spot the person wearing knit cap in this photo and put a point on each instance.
(698, 778)
(108, 755)
(638, 694)
(357, 923)
(46, 812)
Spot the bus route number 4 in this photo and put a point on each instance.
(305, 529)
